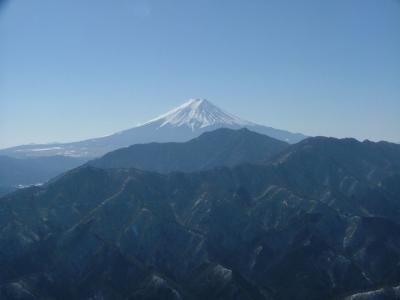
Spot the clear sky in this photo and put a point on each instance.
(74, 69)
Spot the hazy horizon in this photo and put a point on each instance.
(73, 70)
(142, 123)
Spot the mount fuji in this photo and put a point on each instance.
(181, 124)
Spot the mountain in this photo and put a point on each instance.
(178, 125)
(15, 173)
(318, 221)
(222, 147)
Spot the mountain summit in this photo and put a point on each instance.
(196, 114)
(218, 148)
(181, 124)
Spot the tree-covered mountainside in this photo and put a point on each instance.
(318, 221)
(222, 147)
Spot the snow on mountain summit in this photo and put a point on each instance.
(198, 113)
(181, 124)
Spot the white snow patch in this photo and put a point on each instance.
(22, 186)
(39, 149)
(225, 273)
(374, 294)
(197, 113)
(158, 281)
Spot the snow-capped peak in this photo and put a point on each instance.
(198, 113)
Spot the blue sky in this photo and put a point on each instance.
(75, 69)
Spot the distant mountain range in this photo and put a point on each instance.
(317, 220)
(19, 172)
(178, 125)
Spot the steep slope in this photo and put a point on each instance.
(304, 226)
(178, 125)
(222, 147)
(343, 168)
